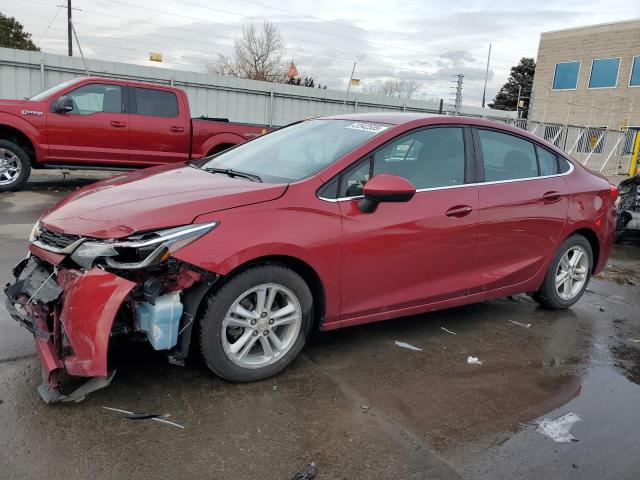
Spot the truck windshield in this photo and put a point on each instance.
(297, 151)
(50, 91)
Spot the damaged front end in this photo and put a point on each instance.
(75, 293)
(628, 207)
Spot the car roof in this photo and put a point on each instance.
(425, 119)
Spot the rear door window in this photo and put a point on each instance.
(507, 157)
(155, 103)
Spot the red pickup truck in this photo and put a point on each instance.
(97, 122)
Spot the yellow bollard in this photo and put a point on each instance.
(634, 168)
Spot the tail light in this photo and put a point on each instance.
(613, 191)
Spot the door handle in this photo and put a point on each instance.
(459, 211)
(117, 124)
(552, 196)
(173, 128)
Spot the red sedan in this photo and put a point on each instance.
(326, 223)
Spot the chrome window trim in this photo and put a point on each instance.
(476, 184)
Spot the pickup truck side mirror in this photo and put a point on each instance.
(63, 104)
(385, 188)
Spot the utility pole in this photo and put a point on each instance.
(518, 101)
(486, 76)
(350, 80)
(458, 102)
(69, 29)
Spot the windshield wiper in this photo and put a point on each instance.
(234, 173)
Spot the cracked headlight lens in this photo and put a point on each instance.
(35, 232)
(140, 250)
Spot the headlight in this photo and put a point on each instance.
(141, 250)
(35, 232)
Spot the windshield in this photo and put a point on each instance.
(50, 91)
(297, 151)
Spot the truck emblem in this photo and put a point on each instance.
(32, 112)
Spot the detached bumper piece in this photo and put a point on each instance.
(70, 314)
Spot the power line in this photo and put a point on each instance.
(354, 27)
(431, 75)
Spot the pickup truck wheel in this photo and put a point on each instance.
(15, 166)
(256, 324)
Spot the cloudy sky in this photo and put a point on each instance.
(424, 40)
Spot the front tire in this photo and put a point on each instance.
(15, 166)
(256, 324)
(568, 274)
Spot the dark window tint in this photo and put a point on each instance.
(507, 157)
(428, 158)
(354, 178)
(94, 98)
(566, 76)
(548, 162)
(564, 165)
(155, 103)
(330, 190)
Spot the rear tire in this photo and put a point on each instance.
(15, 166)
(568, 274)
(256, 324)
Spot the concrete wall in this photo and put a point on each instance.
(607, 107)
(23, 74)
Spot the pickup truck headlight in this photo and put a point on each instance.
(140, 250)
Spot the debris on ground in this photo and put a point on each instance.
(365, 406)
(157, 417)
(558, 429)
(634, 340)
(520, 324)
(407, 346)
(307, 473)
(473, 361)
(602, 309)
(275, 388)
(448, 331)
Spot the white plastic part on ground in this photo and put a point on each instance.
(474, 361)
(406, 345)
(558, 429)
(520, 324)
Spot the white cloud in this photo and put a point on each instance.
(425, 40)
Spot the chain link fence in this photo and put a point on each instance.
(602, 149)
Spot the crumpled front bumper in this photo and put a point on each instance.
(70, 314)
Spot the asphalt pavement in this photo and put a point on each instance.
(355, 403)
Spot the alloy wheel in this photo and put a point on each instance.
(9, 167)
(261, 325)
(572, 272)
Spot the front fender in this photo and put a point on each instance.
(35, 136)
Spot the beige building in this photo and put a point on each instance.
(589, 76)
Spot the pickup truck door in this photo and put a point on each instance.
(95, 131)
(160, 130)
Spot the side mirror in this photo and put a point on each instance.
(63, 104)
(385, 188)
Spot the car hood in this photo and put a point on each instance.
(150, 199)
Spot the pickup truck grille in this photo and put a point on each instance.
(55, 239)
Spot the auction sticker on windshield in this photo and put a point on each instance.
(368, 127)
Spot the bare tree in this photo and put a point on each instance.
(257, 55)
(400, 88)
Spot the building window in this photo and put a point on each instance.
(604, 73)
(634, 81)
(591, 140)
(566, 76)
